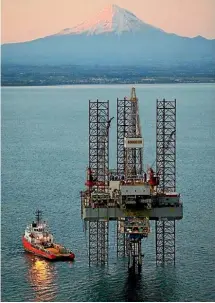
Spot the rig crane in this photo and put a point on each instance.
(129, 195)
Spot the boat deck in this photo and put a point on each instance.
(56, 252)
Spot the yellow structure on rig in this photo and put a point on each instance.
(133, 95)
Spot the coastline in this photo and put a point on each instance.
(47, 82)
(99, 85)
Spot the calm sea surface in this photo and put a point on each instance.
(44, 156)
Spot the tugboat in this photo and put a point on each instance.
(39, 241)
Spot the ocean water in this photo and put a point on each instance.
(44, 156)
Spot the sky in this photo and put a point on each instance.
(23, 20)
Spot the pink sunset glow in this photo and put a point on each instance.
(24, 20)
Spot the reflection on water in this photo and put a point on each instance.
(166, 279)
(156, 284)
(33, 169)
(41, 275)
(132, 288)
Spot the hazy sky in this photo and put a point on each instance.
(29, 19)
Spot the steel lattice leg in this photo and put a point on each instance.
(93, 240)
(165, 242)
(103, 242)
(99, 124)
(99, 139)
(166, 145)
(98, 242)
(166, 167)
(121, 243)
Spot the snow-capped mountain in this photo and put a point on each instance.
(115, 36)
(111, 19)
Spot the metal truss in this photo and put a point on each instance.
(166, 169)
(99, 139)
(121, 243)
(165, 242)
(129, 162)
(166, 145)
(133, 155)
(123, 117)
(93, 242)
(134, 255)
(99, 163)
(103, 242)
(123, 128)
(98, 242)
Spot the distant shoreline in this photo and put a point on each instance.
(14, 75)
(119, 83)
(208, 81)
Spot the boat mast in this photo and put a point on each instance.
(38, 216)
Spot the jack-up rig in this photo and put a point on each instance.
(129, 195)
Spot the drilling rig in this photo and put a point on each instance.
(129, 195)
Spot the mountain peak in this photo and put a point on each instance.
(111, 19)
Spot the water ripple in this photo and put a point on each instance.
(44, 156)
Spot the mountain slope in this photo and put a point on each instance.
(115, 36)
(111, 19)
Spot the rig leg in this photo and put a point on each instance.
(98, 242)
(103, 242)
(165, 242)
(93, 236)
(121, 243)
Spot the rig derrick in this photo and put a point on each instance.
(127, 194)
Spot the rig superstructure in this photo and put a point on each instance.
(128, 194)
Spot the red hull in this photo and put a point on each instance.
(43, 253)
